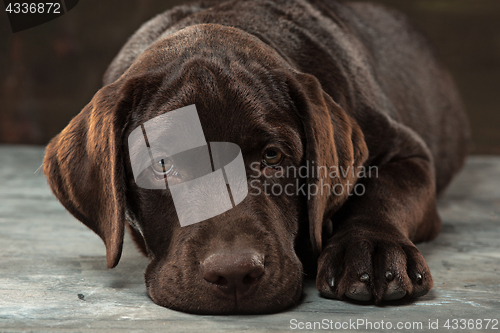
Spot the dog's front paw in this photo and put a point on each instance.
(366, 266)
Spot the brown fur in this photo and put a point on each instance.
(338, 84)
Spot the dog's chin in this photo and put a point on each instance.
(170, 288)
(220, 307)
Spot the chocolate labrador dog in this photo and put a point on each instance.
(294, 83)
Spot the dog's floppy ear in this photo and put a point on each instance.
(85, 170)
(335, 148)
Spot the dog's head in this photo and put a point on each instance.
(241, 261)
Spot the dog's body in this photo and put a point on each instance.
(344, 85)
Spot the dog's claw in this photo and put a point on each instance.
(364, 278)
(331, 282)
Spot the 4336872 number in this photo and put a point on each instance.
(34, 8)
(471, 324)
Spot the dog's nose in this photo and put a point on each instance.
(234, 274)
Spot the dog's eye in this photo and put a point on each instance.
(272, 157)
(163, 165)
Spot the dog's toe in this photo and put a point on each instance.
(394, 291)
(358, 291)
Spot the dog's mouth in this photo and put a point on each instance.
(242, 282)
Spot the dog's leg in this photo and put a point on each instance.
(371, 254)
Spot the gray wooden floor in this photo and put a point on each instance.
(53, 274)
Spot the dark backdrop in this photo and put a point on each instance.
(48, 73)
